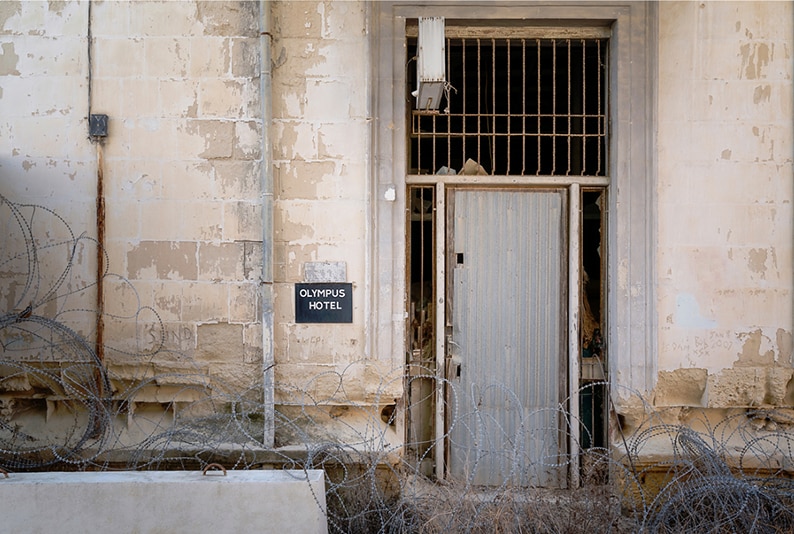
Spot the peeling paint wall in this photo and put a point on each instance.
(182, 166)
(183, 160)
(183, 163)
(44, 154)
(321, 91)
(179, 82)
(725, 190)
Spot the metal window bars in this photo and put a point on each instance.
(519, 106)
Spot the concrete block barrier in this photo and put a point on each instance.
(164, 501)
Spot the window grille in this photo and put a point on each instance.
(516, 106)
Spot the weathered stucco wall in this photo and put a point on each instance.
(182, 173)
(725, 190)
(180, 83)
(43, 150)
(321, 95)
(181, 169)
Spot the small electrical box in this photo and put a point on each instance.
(98, 125)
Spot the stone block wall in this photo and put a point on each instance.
(321, 91)
(180, 82)
(181, 167)
(183, 163)
(725, 191)
(182, 170)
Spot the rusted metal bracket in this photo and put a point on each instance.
(214, 466)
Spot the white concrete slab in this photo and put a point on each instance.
(164, 501)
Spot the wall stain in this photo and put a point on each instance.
(8, 60)
(756, 261)
(8, 10)
(164, 260)
(222, 18)
(56, 6)
(762, 93)
(755, 56)
(281, 59)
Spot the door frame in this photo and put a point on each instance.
(443, 184)
(632, 211)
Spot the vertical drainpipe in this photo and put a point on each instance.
(266, 198)
(99, 343)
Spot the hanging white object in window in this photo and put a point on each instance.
(431, 75)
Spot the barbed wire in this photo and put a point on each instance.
(674, 470)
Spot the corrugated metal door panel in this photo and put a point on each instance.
(508, 335)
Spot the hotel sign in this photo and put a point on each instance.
(324, 303)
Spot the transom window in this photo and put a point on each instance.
(515, 106)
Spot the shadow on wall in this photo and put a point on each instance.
(61, 408)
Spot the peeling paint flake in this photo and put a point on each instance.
(756, 261)
(56, 6)
(757, 349)
(762, 93)
(163, 260)
(8, 60)
(755, 56)
(7, 10)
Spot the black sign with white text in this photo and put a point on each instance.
(324, 303)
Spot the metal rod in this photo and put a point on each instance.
(479, 101)
(266, 195)
(449, 111)
(584, 108)
(509, 109)
(574, 305)
(463, 98)
(492, 136)
(537, 46)
(568, 76)
(553, 106)
(600, 132)
(523, 106)
(440, 331)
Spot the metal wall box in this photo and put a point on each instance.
(98, 125)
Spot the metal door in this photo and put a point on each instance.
(506, 354)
